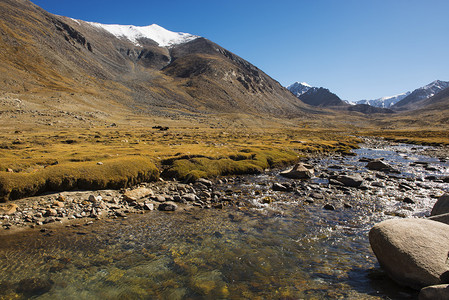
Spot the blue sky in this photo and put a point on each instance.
(359, 49)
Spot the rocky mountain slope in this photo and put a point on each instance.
(57, 63)
(412, 101)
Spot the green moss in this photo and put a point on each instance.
(113, 173)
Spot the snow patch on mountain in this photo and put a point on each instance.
(384, 102)
(160, 35)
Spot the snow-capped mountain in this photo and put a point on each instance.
(299, 88)
(384, 102)
(316, 96)
(160, 35)
(422, 93)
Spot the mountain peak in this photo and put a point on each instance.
(299, 88)
(162, 36)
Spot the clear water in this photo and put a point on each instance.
(284, 250)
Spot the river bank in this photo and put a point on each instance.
(333, 181)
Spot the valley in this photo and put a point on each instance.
(137, 162)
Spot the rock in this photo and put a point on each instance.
(378, 184)
(435, 292)
(58, 204)
(94, 199)
(378, 165)
(280, 187)
(190, 197)
(148, 206)
(443, 218)
(32, 287)
(206, 182)
(8, 209)
(441, 206)
(329, 207)
(413, 252)
(49, 220)
(350, 180)
(50, 213)
(299, 171)
(408, 200)
(316, 195)
(168, 206)
(120, 214)
(267, 200)
(159, 198)
(137, 194)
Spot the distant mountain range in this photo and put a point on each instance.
(420, 94)
(322, 97)
(407, 98)
(384, 102)
(405, 101)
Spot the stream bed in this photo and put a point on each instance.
(307, 242)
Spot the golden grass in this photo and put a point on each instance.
(419, 137)
(246, 162)
(67, 159)
(114, 173)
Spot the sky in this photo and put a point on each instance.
(359, 49)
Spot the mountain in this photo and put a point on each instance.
(315, 96)
(58, 64)
(384, 102)
(321, 97)
(412, 101)
(299, 88)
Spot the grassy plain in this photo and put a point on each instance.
(36, 161)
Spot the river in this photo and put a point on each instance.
(282, 245)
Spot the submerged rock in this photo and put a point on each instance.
(412, 251)
(34, 286)
(168, 206)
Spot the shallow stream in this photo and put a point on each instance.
(288, 247)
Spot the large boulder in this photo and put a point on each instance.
(435, 292)
(299, 171)
(414, 252)
(441, 206)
